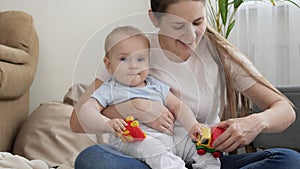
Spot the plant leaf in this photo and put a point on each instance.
(211, 18)
(273, 2)
(292, 3)
(223, 8)
(230, 26)
(237, 3)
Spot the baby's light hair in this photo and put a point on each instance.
(119, 34)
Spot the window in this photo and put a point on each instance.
(270, 36)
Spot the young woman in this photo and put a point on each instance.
(208, 74)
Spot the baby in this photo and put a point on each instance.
(127, 60)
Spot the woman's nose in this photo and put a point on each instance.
(190, 33)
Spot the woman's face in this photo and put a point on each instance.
(183, 25)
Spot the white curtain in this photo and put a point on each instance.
(270, 37)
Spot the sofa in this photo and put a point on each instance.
(19, 51)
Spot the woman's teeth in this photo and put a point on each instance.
(189, 44)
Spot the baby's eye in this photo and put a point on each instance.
(141, 59)
(123, 59)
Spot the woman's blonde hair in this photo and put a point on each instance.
(237, 105)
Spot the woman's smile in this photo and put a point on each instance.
(188, 44)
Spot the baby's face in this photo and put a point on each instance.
(129, 61)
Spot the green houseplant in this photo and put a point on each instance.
(221, 13)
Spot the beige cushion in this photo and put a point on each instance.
(74, 92)
(46, 136)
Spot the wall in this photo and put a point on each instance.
(71, 34)
(64, 28)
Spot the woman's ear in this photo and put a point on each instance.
(107, 64)
(153, 18)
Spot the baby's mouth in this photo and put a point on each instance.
(133, 74)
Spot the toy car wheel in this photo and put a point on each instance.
(216, 154)
(201, 151)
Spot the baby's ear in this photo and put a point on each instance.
(107, 64)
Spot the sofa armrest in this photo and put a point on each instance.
(19, 50)
(13, 55)
(15, 80)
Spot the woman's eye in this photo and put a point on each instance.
(198, 22)
(177, 27)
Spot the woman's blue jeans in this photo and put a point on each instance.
(106, 157)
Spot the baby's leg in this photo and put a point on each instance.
(186, 149)
(156, 151)
(206, 161)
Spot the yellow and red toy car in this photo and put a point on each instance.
(205, 141)
(132, 132)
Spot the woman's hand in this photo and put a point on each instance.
(239, 132)
(155, 115)
(152, 113)
(164, 122)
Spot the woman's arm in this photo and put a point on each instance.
(184, 115)
(278, 114)
(74, 122)
(91, 119)
(152, 113)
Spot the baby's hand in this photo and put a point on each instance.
(117, 124)
(196, 130)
